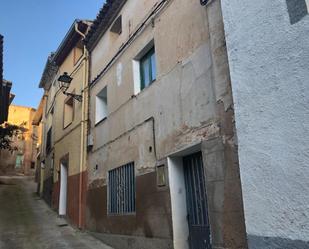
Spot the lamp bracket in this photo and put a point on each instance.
(77, 97)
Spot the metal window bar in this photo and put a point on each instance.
(121, 190)
(195, 184)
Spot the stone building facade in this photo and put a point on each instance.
(267, 44)
(162, 154)
(21, 160)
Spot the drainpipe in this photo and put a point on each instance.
(83, 127)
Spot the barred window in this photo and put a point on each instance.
(121, 190)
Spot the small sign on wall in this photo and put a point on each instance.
(161, 176)
(297, 9)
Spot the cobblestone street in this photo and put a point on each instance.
(28, 223)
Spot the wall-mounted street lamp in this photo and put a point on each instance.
(204, 2)
(64, 84)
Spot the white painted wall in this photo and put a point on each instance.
(269, 65)
(178, 202)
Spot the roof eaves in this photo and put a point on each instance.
(49, 72)
(39, 112)
(6, 83)
(70, 39)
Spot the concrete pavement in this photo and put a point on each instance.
(26, 222)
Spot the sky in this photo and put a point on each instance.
(32, 29)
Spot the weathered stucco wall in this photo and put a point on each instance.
(178, 96)
(189, 103)
(269, 63)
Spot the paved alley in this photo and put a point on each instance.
(26, 222)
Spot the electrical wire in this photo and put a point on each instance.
(125, 45)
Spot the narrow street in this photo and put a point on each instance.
(28, 223)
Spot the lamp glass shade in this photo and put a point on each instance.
(64, 81)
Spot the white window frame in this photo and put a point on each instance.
(136, 66)
(101, 105)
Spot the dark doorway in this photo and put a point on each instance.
(297, 10)
(198, 222)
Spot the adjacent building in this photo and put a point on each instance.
(267, 44)
(162, 152)
(45, 154)
(62, 157)
(21, 160)
(69, 129)
(5, 89)
(39, 150)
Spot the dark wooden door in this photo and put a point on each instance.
(199, 231)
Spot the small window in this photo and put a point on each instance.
(68, 112)
(52, 163)
(19, 161)
(121, 190)
(77, 52)
(48, 140)
(101, 105)
(117, 26)
(148, 68)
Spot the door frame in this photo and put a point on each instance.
(178, 195)
(63, 188)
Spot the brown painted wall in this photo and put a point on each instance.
(48, 190)
(55, 195)
(72, 198)
(153, 211)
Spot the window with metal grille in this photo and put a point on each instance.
(121, 190)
